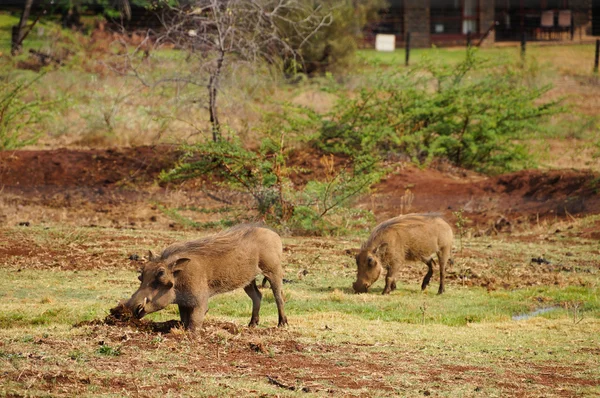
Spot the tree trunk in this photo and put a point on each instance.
(19, 30)
(213, 86)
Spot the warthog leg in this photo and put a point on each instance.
(443, 257)
(390, 284)
(394, 263)
(196, 314)
(430, 264)
(184, 313)
(276, 282)
(252, 290)
(264, 282)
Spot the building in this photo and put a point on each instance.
(450, 22)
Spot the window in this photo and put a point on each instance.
(454, 17)
(392, 19)
(446, 17)
(469, 17)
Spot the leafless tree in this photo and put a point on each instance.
(18, 33)
(220, 33)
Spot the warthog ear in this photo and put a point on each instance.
(179, 265)
(151, 256)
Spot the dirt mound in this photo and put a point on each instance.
(91, 168)
(121, 316)
(522, 195)
(115, 178)
(558, 191)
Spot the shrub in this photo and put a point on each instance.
(19, 117)
(472, 113)
(265, 176)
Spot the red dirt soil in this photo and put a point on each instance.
(127, 172)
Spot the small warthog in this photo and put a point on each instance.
(411, 237)
(188, 273)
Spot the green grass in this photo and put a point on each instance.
(555, 58)
(7, 21)
(462, 343)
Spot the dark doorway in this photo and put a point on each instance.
(596, 17)
(537, 19)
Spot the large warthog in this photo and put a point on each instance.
(188, 273)
(411, 237)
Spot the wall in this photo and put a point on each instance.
(416, 21)
(486, 19)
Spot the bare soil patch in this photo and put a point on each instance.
(120, 185)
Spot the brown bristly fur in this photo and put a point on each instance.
(411, 237)
(213, 245)
(189, 273)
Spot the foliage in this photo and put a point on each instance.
(109, 351)
(332, 194)
(265, 176)
(472, 113)
(333, 46)
(19, 116)
(110, 8)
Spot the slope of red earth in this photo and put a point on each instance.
(106, 180)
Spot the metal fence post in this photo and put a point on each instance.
(407, 48)
(597, 56)
(523, 45)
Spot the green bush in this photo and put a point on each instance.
(264, 174)
(472, 113)
(20, 117)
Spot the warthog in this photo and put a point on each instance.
(410, 237)
(188, 273)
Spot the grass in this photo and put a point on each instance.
(463, 343)
(556, 58)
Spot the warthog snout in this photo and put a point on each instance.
(139, 310)
(360, 287)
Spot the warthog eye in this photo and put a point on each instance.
(370, 261)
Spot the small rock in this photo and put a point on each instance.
(24, 224)
(540, 260)
(258, 347)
